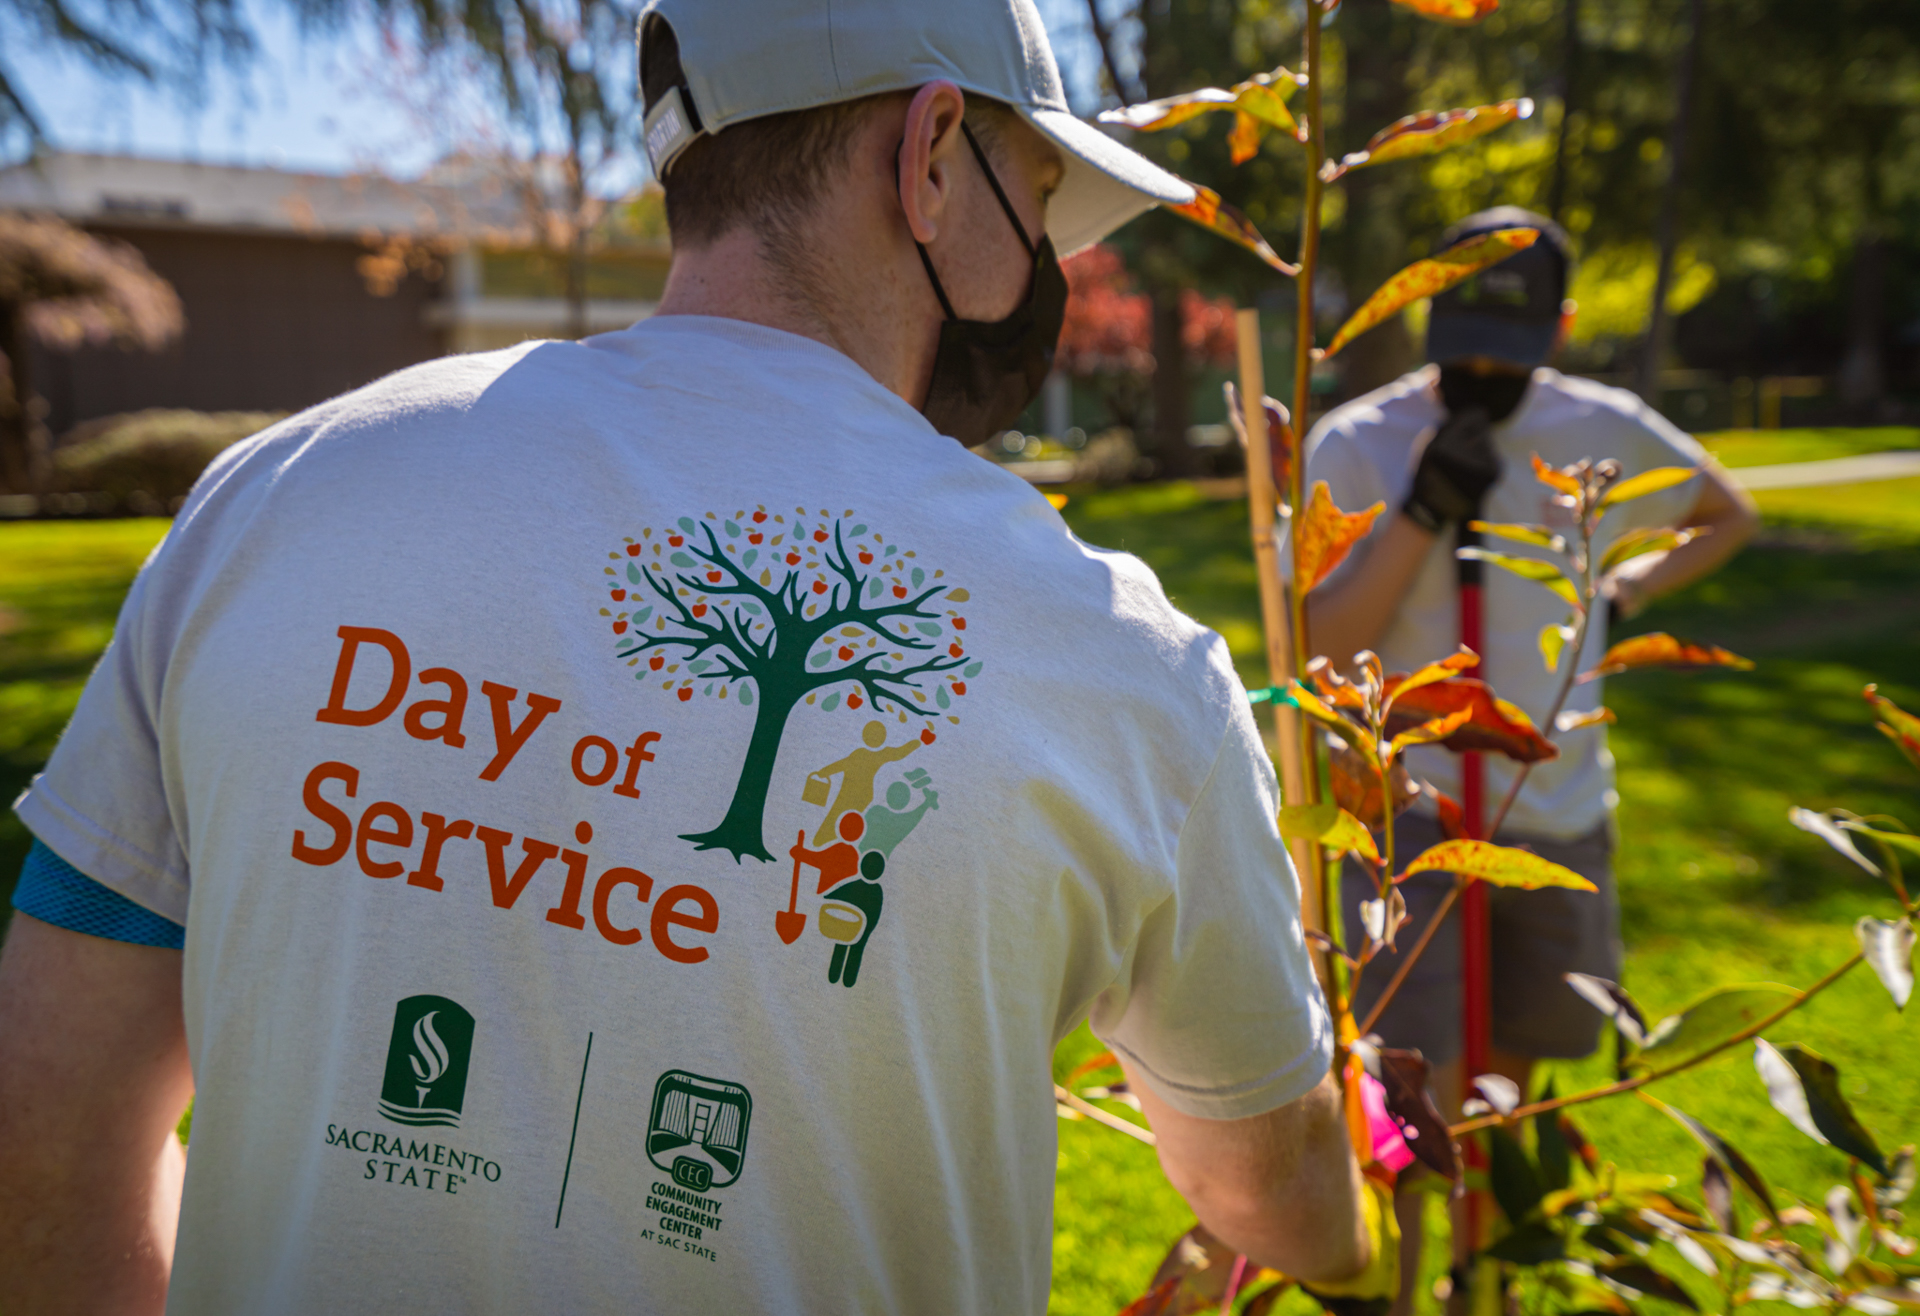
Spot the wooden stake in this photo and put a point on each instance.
(1262, 500)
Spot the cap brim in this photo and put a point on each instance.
(1105, 184)
(1456, 335)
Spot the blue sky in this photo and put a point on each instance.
(308, 103)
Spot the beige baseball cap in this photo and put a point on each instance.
(742, 60)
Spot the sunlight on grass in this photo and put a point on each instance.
(1777, 447)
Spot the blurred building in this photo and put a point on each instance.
(298, 287)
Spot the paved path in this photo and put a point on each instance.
(1839, 470)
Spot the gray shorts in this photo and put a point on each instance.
(1536, 936)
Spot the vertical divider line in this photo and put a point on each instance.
(575, 1135)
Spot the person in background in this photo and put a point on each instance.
(1454, 441)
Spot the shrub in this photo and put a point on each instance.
(148, 460)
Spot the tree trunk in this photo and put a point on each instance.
(740, 831)
(577, 246)
(1104, 36)
(1569, 66)
(1174, 455)
(1863, 375)
(21, 464)
(1659, 324)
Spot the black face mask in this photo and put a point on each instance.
(1498, 395)
(985, 373)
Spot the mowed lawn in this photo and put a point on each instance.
(1716, 887)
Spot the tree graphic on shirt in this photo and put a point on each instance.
(775, 611)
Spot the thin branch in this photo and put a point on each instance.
(1640, 1081)
(1413, 955)
(1098, 1116)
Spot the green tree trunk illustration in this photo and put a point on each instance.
(740, 830)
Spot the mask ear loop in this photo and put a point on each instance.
(1006, 206)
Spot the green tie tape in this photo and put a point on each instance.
(1274, 694)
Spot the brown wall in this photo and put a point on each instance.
(275, 322)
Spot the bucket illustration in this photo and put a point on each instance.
(815, 791)
(841, 922)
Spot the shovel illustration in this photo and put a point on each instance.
(790, 922)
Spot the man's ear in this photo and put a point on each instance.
(929, 152)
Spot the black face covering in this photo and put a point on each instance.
(985, 373)
(1499, 395)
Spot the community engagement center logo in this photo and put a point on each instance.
(426, 1079)
(698, 1130)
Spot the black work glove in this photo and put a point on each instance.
(1456, 469)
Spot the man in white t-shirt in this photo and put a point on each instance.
(1453, 441)
(448, 817)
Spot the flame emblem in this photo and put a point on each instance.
(430, 1058)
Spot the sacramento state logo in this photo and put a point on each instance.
(698, 1130)
(426, 1080)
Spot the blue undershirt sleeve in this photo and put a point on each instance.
(54, 891)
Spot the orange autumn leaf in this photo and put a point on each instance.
(1216, 216)
(1896, 723)
(1258, 104)
(1325, 536)
(1194, 1277)
(1453, 818)
(1428, 132)
(1497, 865)
(1496, 726)
(1435, 274)
(1558, 480)
(1461, 13)
(1662, 650)
(1356, 786)
(1105, 1060)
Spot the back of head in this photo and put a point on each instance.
(1509, 312)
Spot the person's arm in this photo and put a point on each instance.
(93, 1081)
(1725, 510)
(1351, 611)
(1283, 1187)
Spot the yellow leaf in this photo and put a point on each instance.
(1325, 535)
(1497, 865)
(1659, 649)
(1261, 99)
(1452, 665)
(1428, 732)
(1537, 535)
(1216, 216)
(1553, 639)
(1647, 482)
(1244, 141)
(1648, 539)
(1461, 13)
(1435, 274)
(1527, 568)
(1428, 132)
(1571, 721)
(1330, 825)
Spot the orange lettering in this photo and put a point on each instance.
(603, 891)
(351, 639)
(451, 709)
(326, 813)
(507, 738)
(666, 915)
(401, 834)
(507, 890)
(637, 753)
(609, 760)
(567, 912)
(439, 830)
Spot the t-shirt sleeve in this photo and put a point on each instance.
(1217, 1006)
(101, 804)
(1656, 442)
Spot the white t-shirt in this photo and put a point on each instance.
(475, 1022)
(1366, 451)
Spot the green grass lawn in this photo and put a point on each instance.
(1716, 887)
(1772, 447)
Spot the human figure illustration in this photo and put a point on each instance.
(856, 772)
(889, 823)
(836, 862)
(864, 894)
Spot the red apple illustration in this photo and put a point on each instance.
(758, 517)
(853, 700)
(619, 595)
(959, 687)
(819, 587)
(656, 662)
(866, 558)
(793, 559)
(713, 577)
(633, 550)
(959, 623)
(819, 536)
(954, 649)
(686, 693)
(676, 540)
(700, 610)
(845, 653)
(899, 591)
(926, 737)
(755, 537)
(619, 628)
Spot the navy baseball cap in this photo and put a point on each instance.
(1509, 311)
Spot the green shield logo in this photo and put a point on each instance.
(426, 1081)
(698, 1130)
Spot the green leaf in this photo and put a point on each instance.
(831, 702)
(1537, 535)
(1726, 1154)
(733, 529)
(1497, 865)
(1829, 831)
(1532, 1244)
(1647, 539)
(750, 557)
(1887, 946)
(633, 574)
(1527, 568)
(746, 694)
(1644, 1281)
(858, 530)
(1330, 825)
(686, 524)
(927, 628)
(1713, 1018)
(919, 576)
(940, 697)
(1553, 639)
(972, 670)
(643, 614)
(1806, 1089)
(1647, 482)
(1516, 1185)
(1550, 1145)
(682, 560)
(1898, 840)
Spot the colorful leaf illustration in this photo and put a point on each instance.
(1496, 727)
(1216, 216)
(1658, 649)
(1258, 104)
(1461, 13)
(1538, 570)
(1428, 132)
(1325, 536)
(1900, 726)
(1497, 865)
(1435, 274)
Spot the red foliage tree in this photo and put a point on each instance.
(1108, 334)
